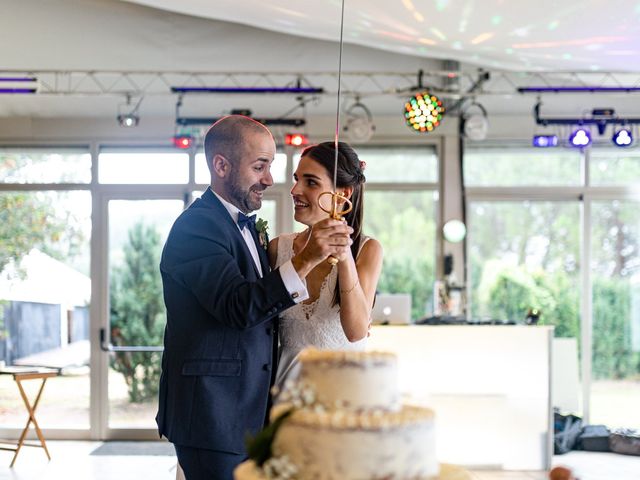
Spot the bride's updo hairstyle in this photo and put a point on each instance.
(350, 174)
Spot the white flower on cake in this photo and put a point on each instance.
(280, 468)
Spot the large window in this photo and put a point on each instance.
(528, 226)
(45, 288)
(401, 202)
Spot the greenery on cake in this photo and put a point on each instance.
(259, 447)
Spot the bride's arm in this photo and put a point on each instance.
(358, 282)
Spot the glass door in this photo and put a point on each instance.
(133, 335)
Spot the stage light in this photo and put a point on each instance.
(296, 139)
(359, 125)
(183, 141)
(13, 85)
(423, 112)
(544, 141)
(622, 138)
(127, 115)
(128, 120)
(580, 138)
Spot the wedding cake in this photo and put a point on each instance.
(343, 419)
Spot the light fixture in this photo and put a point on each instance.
(423, 112)
(359, 125)
(545, 141)
(622, 137)
(17, 85)
(475, 124)
(129, 118)
(580, 138)
(296, 139)
(454, 231)
(183, 142)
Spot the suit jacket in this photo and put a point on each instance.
(221, 331)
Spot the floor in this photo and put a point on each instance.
(71, 460)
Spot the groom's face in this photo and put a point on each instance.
(250, 174)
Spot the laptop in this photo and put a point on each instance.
(392, 309)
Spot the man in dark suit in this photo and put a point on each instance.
(223, 303)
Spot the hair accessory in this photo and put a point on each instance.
(363, 165)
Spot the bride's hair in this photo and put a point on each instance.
(349, 174)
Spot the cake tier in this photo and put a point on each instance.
(351, 380)
(343, 445)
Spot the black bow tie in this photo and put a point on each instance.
(244, 220)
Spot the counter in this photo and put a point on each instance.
(489, 385)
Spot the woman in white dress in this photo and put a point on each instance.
(337, 314)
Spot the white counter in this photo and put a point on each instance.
(490, 387)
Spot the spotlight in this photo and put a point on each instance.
(296, 139)
(622, 138)
(359, 125)
(128, 120)
(580, 138)
(183, 141)
(423, 112)
(544, 141)
(129, 117)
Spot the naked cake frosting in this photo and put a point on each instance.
(342, 419)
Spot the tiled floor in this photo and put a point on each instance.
(71, 461)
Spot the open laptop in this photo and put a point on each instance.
(392, 309)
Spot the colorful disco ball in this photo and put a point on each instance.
(423, 112)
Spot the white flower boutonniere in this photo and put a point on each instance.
(263, 237)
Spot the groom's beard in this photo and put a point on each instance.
(243, 198)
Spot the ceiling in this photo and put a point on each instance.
(510, 34)
(77, 37)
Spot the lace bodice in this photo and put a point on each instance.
(315, 324)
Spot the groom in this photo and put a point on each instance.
(223, 302)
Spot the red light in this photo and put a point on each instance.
(296, 139)
(183, 141)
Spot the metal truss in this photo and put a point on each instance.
(358, 84)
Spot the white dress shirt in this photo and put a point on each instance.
(296, 287)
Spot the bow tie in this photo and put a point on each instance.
(244, 220)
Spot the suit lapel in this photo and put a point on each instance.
(210, 199)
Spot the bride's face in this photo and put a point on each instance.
(310, 180)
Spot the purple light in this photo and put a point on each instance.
(18, 79)
(577, 89)
(544, 141)
(247, 90)
(622, 138)
(17, 90)
(580, 138)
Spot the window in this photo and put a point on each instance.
(614, 167)
(512, 167)
(45, 295)
(524, 251)
(44, 165)
(143, 167)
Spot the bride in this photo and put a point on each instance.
(337, 313)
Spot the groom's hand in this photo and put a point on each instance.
(328, 237)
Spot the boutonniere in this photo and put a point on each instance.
(263, 237)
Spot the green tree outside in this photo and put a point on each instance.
(137, 312)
